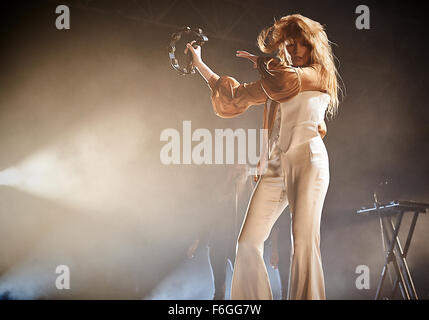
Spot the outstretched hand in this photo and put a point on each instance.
(196, 53)
(247, 55)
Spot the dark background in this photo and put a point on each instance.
(87, 105)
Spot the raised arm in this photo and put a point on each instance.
(229, 97)
(278, 82)
(282, 82)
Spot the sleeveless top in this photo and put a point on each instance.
(299, 119)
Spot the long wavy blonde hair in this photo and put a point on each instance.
(272, 39)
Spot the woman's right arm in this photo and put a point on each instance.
(229, 97)
(278, 82)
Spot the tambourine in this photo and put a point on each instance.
(175, 37)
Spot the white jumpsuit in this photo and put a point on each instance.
(298, 175)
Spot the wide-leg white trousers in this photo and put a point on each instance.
(299, 178)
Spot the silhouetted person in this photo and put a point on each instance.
(223, 230)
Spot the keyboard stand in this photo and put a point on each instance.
(394, 254)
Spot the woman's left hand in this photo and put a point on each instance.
(247, 55)
(322, 129)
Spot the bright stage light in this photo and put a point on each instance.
(41, 174)
(86, 169)
(10, 177)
